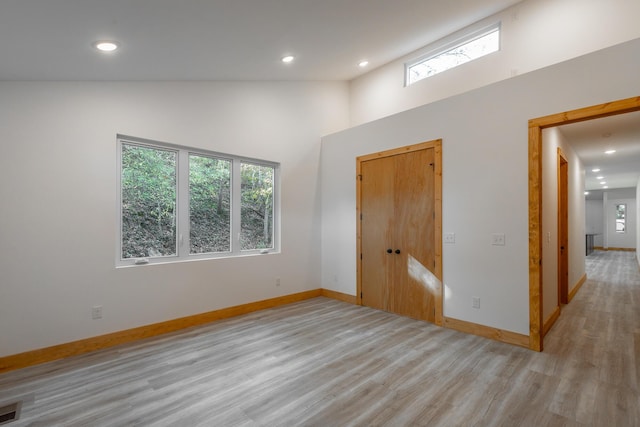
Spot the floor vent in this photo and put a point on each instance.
(10, 412)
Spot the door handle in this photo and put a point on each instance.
(389, 251)
(397, 251)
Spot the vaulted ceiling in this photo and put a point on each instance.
(221, 39)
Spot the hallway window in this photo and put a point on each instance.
(621, 213)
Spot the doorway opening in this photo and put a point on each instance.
(535, 199)
(563, 228)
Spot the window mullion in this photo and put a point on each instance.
(236, 201)
(183, 222)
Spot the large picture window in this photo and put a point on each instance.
(177, 203)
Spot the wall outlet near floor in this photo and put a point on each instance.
(449, 237)
(277, 281)
(96, 312)
(475, 302)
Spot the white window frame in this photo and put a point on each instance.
(452, 43)
(183, 246)
(616, 219)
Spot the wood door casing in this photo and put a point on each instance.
(401, 211)
(536, 238)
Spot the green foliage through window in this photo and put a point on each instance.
(257, 207)
(209, 204)
(148, 202)
(179, 203)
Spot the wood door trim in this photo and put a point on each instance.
(437, 146)
(535, 198)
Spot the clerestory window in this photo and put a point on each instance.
(472, 46)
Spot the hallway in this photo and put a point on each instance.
(594, 348)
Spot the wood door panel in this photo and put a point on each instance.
(377, 213)
(414, 235)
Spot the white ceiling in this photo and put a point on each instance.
(590, 139)
(245, 40)
(221, 39)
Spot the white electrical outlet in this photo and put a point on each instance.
(96, 312)
(449, 237)
(498, 239)
(475, 302)
(277, 281)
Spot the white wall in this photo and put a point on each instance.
(58, 192)
(485, 178)
(552, 139)
(535, 34)
(594, 218)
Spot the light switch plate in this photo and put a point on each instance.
(449, 237)
(498, 239)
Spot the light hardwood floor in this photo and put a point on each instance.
(323, 362)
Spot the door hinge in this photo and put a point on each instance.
(360, 217)
(360, 295)
(360, 177)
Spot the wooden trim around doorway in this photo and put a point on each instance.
(535, 198)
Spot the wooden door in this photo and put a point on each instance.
(414, 235)
(377, 241)
(399, 269)
(563, 229)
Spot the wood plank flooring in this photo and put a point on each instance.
(323, 362)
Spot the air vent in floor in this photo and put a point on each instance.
(9, 412)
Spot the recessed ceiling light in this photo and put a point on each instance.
(595, 170)
(105, 45)
(287, 59)
(606, 186)
(363, 64)
(599, 177)
(603, 182)
(586, 193)
(609, 151)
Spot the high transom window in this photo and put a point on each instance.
(470, 47)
